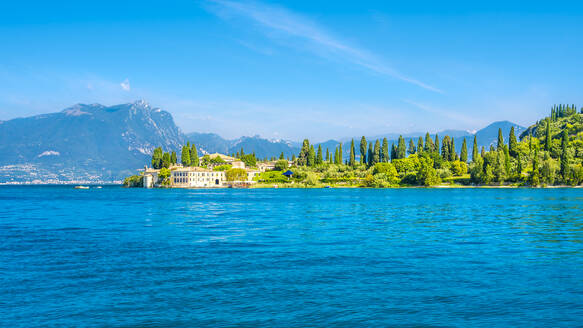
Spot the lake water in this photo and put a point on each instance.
(290, 258)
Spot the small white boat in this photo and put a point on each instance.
(81, 187)
(98, 187)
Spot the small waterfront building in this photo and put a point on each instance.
(192, 177)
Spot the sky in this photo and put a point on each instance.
(296, 69)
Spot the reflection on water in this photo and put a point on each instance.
(287, 258)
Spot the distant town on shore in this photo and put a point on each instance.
(548, 153)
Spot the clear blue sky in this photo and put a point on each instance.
(294, 69)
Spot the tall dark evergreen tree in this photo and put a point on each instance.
(311, 160)
(428, 143)
(483, 152)
(452, 152)
(352, 161)
(173, 157)
(369, 155)
(385, 155)
(475, 149)
(157, 158)
(564, 156)
(464, 152)
(335, 155)
(436, 144)
(401, 148)
(512, 143)
(376, 158)
(363, 150)
(327, 155)
(445, 151)
(166, 160)
(420, 145)
(411, 149)
(319, 158)
(548, 136)
(281, 156)
(185, 156)
(500, 144)
(340, 154)
(303, 155)
(394, 152)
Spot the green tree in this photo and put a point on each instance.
(428, 143)
(401, 148)
(166, 160)
(281, 156)
(512, 143)
(436, 143)
(564, 156)
(369, 155)
(475, 149)
(311, 161)
(194, 161)
(185, 156)
(411, 149)
(452, 152)
(548, 136)
(173, 158)
(363, 149)
(319, 159)
(445, 151)
(385, 156)
(420, 145)
(236, 175)
(303, 156)
(281, 165)
(336, 155)
(394, 152)
(157, 158)
(327, 155)
(248, 159)
(426, 175)
(340, 153)
(535, 174)
(500, 140)
(352, 154)
(464, 152)
(376, 157)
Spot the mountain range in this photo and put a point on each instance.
(100, 143)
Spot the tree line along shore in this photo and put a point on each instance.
(548, 153)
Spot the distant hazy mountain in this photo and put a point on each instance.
(212, 143)
(85, 142)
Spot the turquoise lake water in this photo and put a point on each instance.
(290, 257)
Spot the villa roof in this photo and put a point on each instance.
(223, 157)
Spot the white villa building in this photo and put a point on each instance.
(198, 177)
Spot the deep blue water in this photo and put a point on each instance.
(290, 258)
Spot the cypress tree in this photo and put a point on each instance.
(393, 152)
(311, 160)
(452, 152)
(428, 143)
(464, 152)
(352, 154)
(157, 158)
(564, 156)
(483, 152)
(281, 156)
(363, 149)
(370, 154)
(436, 143)
(166, 160)
(335, 155)
(411, 149)
(376, 158)
(475, 149)
(401, 148)
(385, 156)
(500, 140)
(548, 136)
(185, 156)
(319, 158)
(420, 145)
(173, 157)
(340, 154)
(303, 155)
(512, 143)
(445, 152)
(194, 156)
(242, 152)
(327, 155)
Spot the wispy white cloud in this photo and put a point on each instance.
(452, 115)
(279, 22)
(125, 85)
